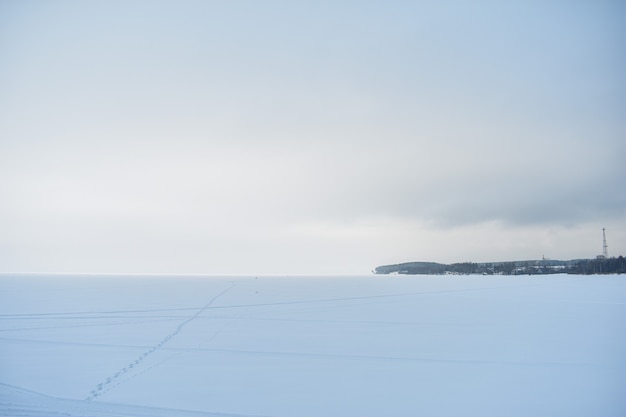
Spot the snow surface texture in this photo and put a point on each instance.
(312, 346)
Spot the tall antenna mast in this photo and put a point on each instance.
(605, 248)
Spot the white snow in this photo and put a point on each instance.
(312, 346)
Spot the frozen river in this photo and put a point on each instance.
(312, 346)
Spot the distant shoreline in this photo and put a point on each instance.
(534, 267)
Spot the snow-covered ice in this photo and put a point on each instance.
(343, 346)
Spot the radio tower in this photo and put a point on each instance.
(605, 248)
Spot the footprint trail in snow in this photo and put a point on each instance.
(106, 386)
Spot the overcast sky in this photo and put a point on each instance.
(237, 137)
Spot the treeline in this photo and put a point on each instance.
(539, 267)
(599, 266)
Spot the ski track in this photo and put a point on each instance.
(312, 356)
(92, 314)
(105, 385)
(123, 323)
(113, 313)
(20, 402)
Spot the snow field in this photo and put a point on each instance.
(312, 346)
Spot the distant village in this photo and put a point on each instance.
(599, 265)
